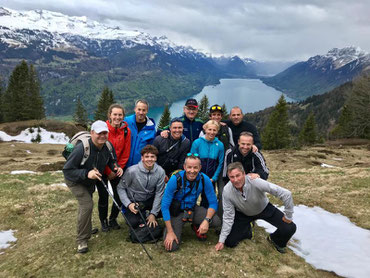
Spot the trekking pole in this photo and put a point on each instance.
(143, 218)
(122, 209)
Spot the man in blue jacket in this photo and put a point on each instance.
(179, 203)
(142, 130)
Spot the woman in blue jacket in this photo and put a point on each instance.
(211, 153)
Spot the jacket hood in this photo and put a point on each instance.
(210, 142)
(144, 170)
(111, 128)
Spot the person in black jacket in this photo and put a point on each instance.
(253, 162)
(238, 125)
(81, 179)
(173, 149)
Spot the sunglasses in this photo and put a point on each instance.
(216, 108)
(192, 154)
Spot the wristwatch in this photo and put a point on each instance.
(208, 219)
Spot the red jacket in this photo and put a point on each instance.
(121, 144)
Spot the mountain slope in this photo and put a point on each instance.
(320, 73)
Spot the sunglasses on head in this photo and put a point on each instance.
(216, 108)
(192, 154)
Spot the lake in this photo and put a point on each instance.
(250, 95)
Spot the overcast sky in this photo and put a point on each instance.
(262, 29)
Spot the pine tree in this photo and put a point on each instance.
(106, 99)
(165, 118)
(225, 116)
(344, 126)
(1, 102)
(203, 112)
(308, 134)
(36, 104)
(276, 134)
(16, 97)
(80, 116)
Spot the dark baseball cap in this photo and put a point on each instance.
(191, 102)
(216, 108)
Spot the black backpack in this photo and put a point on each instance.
(144, 235)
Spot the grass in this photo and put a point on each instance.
(44, 218)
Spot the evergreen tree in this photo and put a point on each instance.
(36, 105)
(203, 112)
(344, 126)
(225, 116)
(80, 116)
(276, 134)
(308, 134)
(106, 99)
(165, 118)
(1, 102)
(16, 100)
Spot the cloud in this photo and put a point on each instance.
(263, 30)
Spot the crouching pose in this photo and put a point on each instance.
(179, 203)
(141, 187)
(244, 201)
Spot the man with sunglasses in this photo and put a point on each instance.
(179, 203)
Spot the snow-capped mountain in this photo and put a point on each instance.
(321, 73)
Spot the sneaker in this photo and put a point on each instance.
(200, 237)
(104, 226)
(82, 248)
(113, 224)
(277, 247)
(94, 231)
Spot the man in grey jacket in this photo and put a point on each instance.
(142, 187)
(244, 200)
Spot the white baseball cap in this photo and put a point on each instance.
(99, 126)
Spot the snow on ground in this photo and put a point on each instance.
(5, 237)
(329, 241)
(20, 172)
(30, 134)
(327, 165)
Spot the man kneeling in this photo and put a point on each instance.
(179, 203)
(244, 201)
(142, 187)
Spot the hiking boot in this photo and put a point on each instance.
(104, 226)
(94, 231)
(277, 247)
(82, 248)
(200, 237)
(113, 224)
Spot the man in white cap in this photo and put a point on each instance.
(81, 177)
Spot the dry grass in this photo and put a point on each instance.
(45, 219)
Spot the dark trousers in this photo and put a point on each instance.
(204, 202)
(199, 215)
(136, 219)
(104, 198)
(242, 227)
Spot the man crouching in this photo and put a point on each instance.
(244, 201)
(179, 203)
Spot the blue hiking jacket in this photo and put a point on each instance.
(139, 140)
(211, 155)
(191, 199)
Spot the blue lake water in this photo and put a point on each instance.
(249, 94)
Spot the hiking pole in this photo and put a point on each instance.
(122, 209)
(143, 218)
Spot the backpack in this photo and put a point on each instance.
(83, 137)
(144, 235)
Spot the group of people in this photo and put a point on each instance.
(162, 174)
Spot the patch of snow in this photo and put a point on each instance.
(59, 184)
(30, 134)
(28, 151)
(327, 165)
(21, 172)
(329, 241)
(5, 238)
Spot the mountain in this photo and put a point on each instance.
(321, 73)
(75, 56)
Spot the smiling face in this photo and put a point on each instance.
(99, 139)
(236, 116)
(211, 131)
(245, 144)
(237, 178)
(116, 117)
(176, 129)
(190, 112)
(141, 109)
(216, 116)
(192, 168)
(148, 160)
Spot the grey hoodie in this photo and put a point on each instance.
(141, 184)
